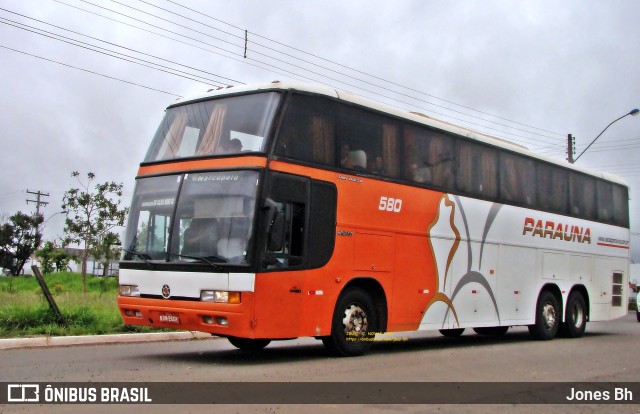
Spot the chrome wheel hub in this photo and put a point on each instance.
(355, 321)
(577, 315)
(549, 315)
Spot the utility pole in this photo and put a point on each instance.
(38, 200)
(571, 148)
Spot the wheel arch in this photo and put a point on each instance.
(555, 290)
(377, 293)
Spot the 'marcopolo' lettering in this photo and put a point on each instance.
(557, 231)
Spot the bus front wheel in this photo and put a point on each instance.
(354, 324)
(547, 317)
(246, 344)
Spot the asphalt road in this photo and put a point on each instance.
(609, 352)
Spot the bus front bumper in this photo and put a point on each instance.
(216, 318)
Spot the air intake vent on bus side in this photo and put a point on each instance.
(616, 296)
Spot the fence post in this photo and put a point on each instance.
(47, 293)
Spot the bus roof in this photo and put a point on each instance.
(397, 112)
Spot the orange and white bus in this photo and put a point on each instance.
(286, 210)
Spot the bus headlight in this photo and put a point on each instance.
(129, 290)
(219, 296)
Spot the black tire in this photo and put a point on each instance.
(638, 315)
(246, 344)
(354, 324)
(547, 317)
(491, 330)
(452, 333)
(575, 317)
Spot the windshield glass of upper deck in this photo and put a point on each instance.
(229, 125)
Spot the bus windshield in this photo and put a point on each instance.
(220, 126)
(209, 218)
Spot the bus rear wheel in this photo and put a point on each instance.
(246, 344)
(452, 333)
(575, 318)
(547, 317)
(492, 330)
(354, 324)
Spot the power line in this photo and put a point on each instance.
(142, 21)
(273, 68)
(352, 69)
(615, 148)
(122, 47)
(332, 70)
(343, 74)
(172, 38)
(276, 69)
(89, 71)
(163, 36)
(527, 139)
(108, 52)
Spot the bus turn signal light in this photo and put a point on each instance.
(220, 296)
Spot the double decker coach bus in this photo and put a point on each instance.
(286, 210)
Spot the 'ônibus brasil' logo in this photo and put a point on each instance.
(558, 231)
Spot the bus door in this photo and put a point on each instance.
(298, 218)
(279, 289)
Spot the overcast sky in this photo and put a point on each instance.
(528, 71)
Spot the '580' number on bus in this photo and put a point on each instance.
(390, 204)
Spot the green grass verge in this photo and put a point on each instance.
(24, 311)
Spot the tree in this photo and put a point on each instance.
(19, 239)
(45, 257)
(107, 250)
(92, 213)
(53, 258)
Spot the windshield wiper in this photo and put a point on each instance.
(145, 257)
(204, 259)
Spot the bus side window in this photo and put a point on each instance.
(440, 158)
(552, 188)
(582, 196)
(517, 176)
(604, 191)
(477, 172)
(308, 131)
(429, 157)
(367, 142)
(620, 206)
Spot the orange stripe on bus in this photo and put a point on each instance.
(203, 165)
(613, 245)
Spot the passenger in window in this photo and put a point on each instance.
(233, 147)
(200, 237)
(358, 160)
(440, 160)
(422, 173)
(377, 167)
(345, 159)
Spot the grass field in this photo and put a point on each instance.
(25, 312)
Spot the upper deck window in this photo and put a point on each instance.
(221, 126)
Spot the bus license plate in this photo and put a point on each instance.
(169, 318)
